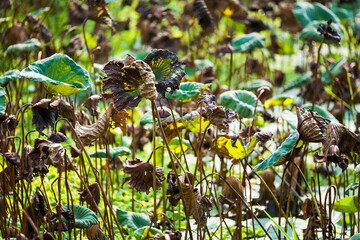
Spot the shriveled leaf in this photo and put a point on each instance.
(90, 133)
(241, 101)
(188, 91)
(92, 105)
(59, 74)
(321, 111)
(93, 195)
(347, 204)
(204, 17)
(141, 175)
(44, 115)
(116, 151)
(132, 219)
(285, 148)
(225, 147)
(84, 217)
(167, 70)
(27, 46)
(11, 75)
(95, 233)
(248, 42)
(120, 119)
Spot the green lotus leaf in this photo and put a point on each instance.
(59, 74)
(191, 122)
(116, 151)
(278, 156)
(27, 46)
(241, 101)
(187, 91)
(335, 69)
(299, 81)
(143, 233)
(255, 84)
(2, 100)
(132, 219)
(175, 146)
(167, 70)
(11, 75)
(345, 11)
(356, 236)
(321, 111)
(248, 42)
(291, 118)
(84, 217)
(147, 118)
(347, 204)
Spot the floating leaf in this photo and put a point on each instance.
(84, 217)
(116, 151)
(2, 100)
(279, 101)
(132, 219)
(11, 75)
(225, 147)
(167, 70)
(299, 81)
(241, 101)
(248, 42)
(321, 111)
(27, 46)
(255, 84)
(187, 91)
(285, 148)
(59, 74)
(347, 204)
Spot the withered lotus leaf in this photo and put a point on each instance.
(119, 119)
(142, 175)
(43, 114)
(220, 117)
(12, 158)
(169, 236)
(95, 233)
(58, 137)
(202, 13)
(129, 80)
(90, 133)
(92, 104)
(228, 192)
(263, 137)
(167, 70)
(269, 178)
(311, 126)
(64, 108)
(202, 208)
(95, 194)
(173, 188)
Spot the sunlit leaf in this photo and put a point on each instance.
(11, 75)
(285, 148)
(290, 117)
(251, 146)
(175, 146)
(255, 84)
(59, 74)
(2, 100)
(226, 148)
(241, 101)
(347, 204)
(116, 151)
(279, 101)
(191, 122)
(84, 217)
(132, 219)
(27, 46)
(248, 42)
(143, 233)
(187, 91)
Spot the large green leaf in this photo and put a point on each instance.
(27, 46)
(255, 84)
(299, 81)
(116, 151)
(335, 69)
(345, 11)
(356, 236)
(241, 101)
(84, 217)
(59, 74)
(347, 204)
(132, 219)
(187, 91)
(147, 118)
(248, 42)
(9, 76)
(285, 148)
(321, 111)
(2, 100)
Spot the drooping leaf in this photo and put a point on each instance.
(285, 148)
(255, 84)
(347, 204)
(116, 151)
(59, 74)
(11, 75)
(241, 101)
(279, 101)
(132, 219)
(191, 122)
(43, 114)
(299, 81)
(203, 15)
(251, 146)
(248, 42)
(2, 100)
(167, 70)
(187, 91)
(321, 111)
(27, 46)
(84, 217)
(226, 148)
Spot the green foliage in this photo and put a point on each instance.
(255, 84)
(11, 75)
(84, 217)
(248, 42)
(299, 81)
(59, 74)
(2, 100)
(241, 101)
(132, 219)
(116, 151)
(188, 91)
(347, 204)
(27, 46)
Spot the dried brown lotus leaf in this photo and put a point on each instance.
(88, 134)
(12, 158)
(147, 89)
(92, 105)
(263, 137)
(64, 108)
(95, 194)
(227, 185)
(175, 188)
(119, 119)
(269, 178)
(310, 129)
(95, 233)
(202, 208)
(142, 175)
